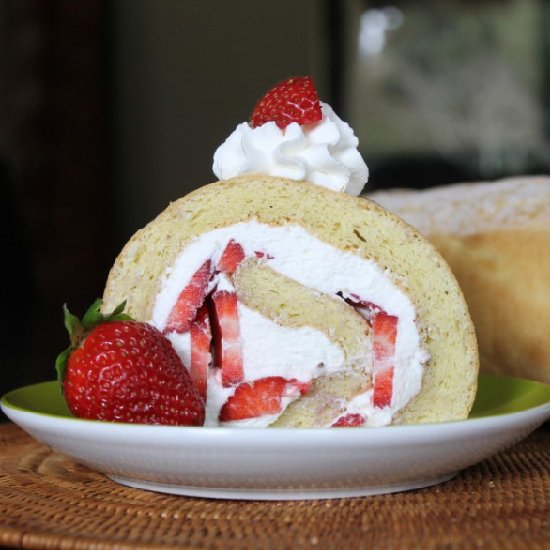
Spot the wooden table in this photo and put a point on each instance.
(49, 501)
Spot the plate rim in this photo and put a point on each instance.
(56, 419)
(150, 457)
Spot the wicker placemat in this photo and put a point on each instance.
(49, 501)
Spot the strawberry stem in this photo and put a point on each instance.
(73, 325)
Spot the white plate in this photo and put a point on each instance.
(283, 463)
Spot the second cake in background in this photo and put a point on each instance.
(496, 238)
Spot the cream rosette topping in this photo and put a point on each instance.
(306, 144)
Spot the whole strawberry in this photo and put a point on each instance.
(292, 100)
(117, 369)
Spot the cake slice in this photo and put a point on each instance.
(324, 309)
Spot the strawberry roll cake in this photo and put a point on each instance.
(291, 301)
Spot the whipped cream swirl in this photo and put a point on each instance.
(324, 153)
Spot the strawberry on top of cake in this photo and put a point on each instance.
(292, 134)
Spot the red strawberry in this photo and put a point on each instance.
(262, 396)
(120, 370)
(189, 301)
(200, 350)
(349, 420)
(232, 256)
(383, 388)
(292, 100)
(384, 329)
(227, 336)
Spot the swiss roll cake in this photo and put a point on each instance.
(296, 305)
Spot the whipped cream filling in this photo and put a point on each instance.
(269, 349)
(324, 153)
(302, 353)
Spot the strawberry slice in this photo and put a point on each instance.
(349, 420)
(262, 396)
(383, 388)
(200, 350)
(189, 300)
(384, 328)
(232, 256)
(292, 100)
(356, 300)
(226, 332)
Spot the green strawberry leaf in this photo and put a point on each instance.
(93, 315)
(61, 364)
(118, 313)
(73, 325)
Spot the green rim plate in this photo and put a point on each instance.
(496, 395)
(503, 395)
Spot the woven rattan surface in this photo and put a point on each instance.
(49, 501)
